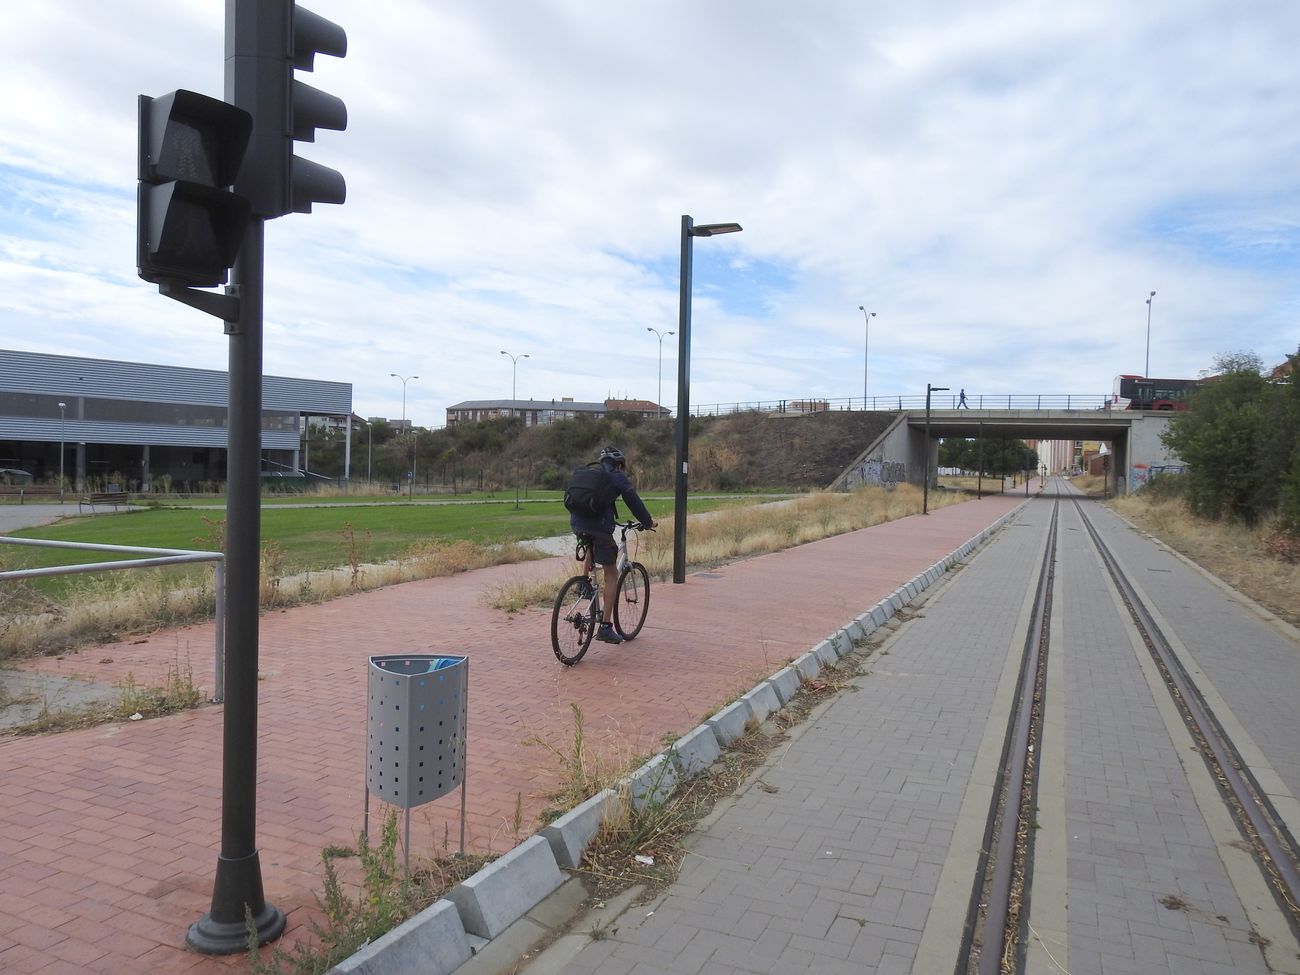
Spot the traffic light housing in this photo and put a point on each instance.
(189, 225)
(266, 40)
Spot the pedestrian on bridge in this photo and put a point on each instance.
(961, 401)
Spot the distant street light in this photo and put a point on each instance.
(63, 425)
(514, 371)
(659, 396)
(514, 367)
(406, 379)
(689, 232)
(370, 451)
(925, 489)
(867, 316)
(1146, 370)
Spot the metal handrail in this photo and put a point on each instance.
(896, 403)
(164, 556)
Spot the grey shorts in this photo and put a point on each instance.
(603, 548)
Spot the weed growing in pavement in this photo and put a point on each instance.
(513, 597)
(354, 551)
(380, 897)
(581, 775)
(176, 693)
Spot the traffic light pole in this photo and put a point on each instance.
(238, 886)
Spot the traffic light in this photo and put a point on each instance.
(266, 40)
(189, 225)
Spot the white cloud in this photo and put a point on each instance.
(1003, 182)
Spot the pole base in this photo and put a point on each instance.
(224, 930)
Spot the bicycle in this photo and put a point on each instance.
(577, 606)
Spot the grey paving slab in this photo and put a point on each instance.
(1217, 627)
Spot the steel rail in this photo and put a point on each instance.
(1000, 893)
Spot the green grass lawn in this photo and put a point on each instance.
(314, 538)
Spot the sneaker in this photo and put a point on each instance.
(607, 634)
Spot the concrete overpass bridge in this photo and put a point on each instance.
(912, 441)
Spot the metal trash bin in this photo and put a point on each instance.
(415, 732)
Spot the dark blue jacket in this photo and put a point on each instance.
(605, 523)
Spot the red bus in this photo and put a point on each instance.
(1141, 393)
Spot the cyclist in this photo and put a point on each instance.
(601, 549)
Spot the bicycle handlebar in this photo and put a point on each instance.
(634, 525)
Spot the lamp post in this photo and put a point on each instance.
(415, 459)
(370, 452)
(659, 396)
(63, 426)
(514, 372)
(925, 489)
(1146, 369)
(689, 233)
(866, 342)
(406, 379)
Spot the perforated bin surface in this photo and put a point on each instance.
(415, 727)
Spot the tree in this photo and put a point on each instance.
(997, 455)
(1289, 493)
(1238, 438)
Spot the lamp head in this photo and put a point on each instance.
(713, 229)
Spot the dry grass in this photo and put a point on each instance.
(107, 606)
(1231, 552)
(133, 702)
(736, 533)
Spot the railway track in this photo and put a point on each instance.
(996, 931)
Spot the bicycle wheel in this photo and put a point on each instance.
(632, 600)
(572, 625)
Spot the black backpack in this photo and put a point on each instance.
(591, 491)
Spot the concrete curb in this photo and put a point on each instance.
(570, 834)
(653, 782)
(786, 684)
(433, 942)
(697, 750)
(762, 701)
(444, 936)
(507, 888)
(729, 723)
(807, 666)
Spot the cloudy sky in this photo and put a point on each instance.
(1004, 182)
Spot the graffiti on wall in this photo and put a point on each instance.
(884, 473)
(1139, 474)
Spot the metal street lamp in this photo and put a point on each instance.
(63, 426)
(1146, 369)
(925, 489)
(866, 341)
(410, 493)
(659, 396)
(689, 233)
(514, 372)
(405, 380)
(370, 452)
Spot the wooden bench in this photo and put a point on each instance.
(115, 498)
(25, 491)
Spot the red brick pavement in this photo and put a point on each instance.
(111, 834)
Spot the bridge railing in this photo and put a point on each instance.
(915, 401)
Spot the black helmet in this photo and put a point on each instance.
(613, 455)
